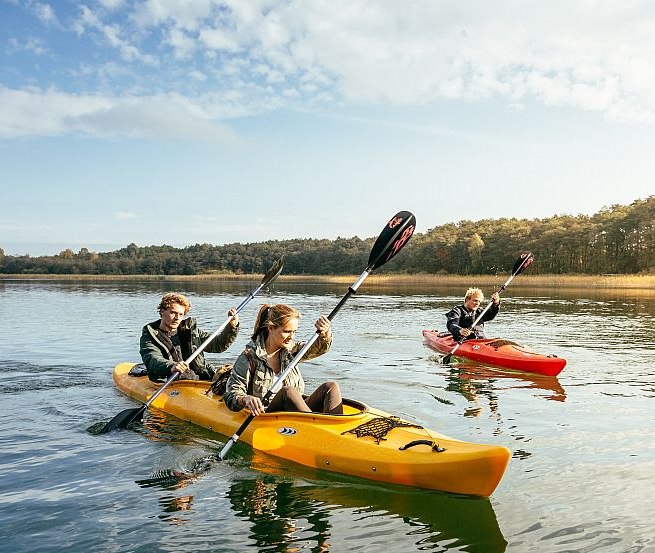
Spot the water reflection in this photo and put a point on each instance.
(171, 507)
(473, 380)
(282, 515)
(279, 516)
(200, 450)
(290, 507)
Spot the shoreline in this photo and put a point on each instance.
(532, 281)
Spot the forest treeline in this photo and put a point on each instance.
(616, 240)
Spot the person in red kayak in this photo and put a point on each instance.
(460, 319)
(271, 349)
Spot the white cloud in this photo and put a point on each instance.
(182, 44)
(90, 20)
(219, 39)
(27, 44)
(248, 57)
(124, 215)
(592, 55)
(45, 13)
(197, 75)
(33, 112)
(111, 4)
(183, 14)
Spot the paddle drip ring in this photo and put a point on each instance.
(379, 427)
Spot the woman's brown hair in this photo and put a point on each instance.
(271, 316)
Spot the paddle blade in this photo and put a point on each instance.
(273, 272)
(392, 239)
(123, 419)
(522, 263)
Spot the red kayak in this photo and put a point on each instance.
(495, 351)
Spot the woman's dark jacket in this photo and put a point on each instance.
(460, 317)
(159, 355)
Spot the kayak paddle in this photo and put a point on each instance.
(129, 416)
(523, 262)
(392, 239)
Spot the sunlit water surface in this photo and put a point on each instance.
(581, 478)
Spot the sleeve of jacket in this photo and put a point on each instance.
(158, 366)
(491, 312)
(237, 384)
(452, 322)
(319, 347)
(223, 341)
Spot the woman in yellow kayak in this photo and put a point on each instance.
(271, 349)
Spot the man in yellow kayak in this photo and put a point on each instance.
(460, 318)
(167, 342)
(271, 349)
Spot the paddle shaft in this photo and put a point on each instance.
(277, 384)
(525, 262)
(202, 346)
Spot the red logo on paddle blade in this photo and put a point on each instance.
(395, 222)
(398, 244)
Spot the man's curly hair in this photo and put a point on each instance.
(171, 298)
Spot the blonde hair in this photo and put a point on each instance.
(173, 297)
(473, 292)
(272, 316)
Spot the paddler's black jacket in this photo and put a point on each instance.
(159, 356)
(460, 317)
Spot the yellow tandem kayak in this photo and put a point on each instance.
(363, 442)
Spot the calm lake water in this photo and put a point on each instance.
(581, 478)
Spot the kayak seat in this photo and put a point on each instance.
(138, 370)
(500, 343)
(351, 406)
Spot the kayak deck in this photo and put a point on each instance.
(498, 352)
(363, 442)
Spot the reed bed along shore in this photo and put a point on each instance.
(645, 282)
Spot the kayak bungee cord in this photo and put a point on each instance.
(379, 427)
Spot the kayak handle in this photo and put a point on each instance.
(433, 445)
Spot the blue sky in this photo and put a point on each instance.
(182, 122)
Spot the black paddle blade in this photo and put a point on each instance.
(165, 479)
(523, 262)
(392, 239)
(124, 419)
(273, 272)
